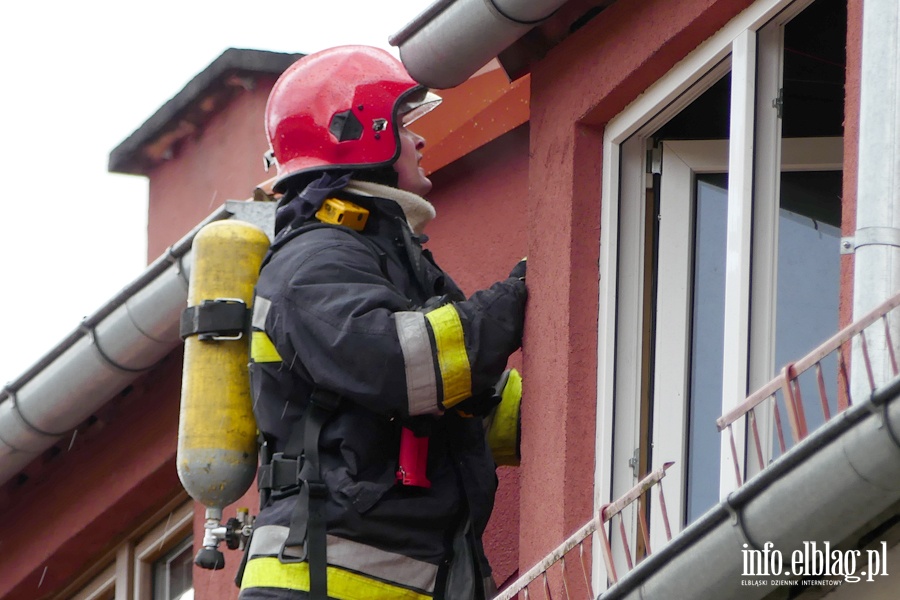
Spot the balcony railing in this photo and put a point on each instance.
(576, 583)
(851, 344)
(788, 385)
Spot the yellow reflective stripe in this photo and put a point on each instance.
(453, 361)
(269, 572)
(262, 350)
(503, 432)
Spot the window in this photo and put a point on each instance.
(720, 256)
(172, 573)
(155, 563)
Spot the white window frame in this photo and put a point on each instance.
(681, 161)
(619, 323)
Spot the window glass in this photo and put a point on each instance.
(173, 573)
(708, 320)
(809, 239)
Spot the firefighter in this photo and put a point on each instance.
(379, 388)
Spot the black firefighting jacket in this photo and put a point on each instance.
(369, 318)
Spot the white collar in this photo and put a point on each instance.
(418, 211)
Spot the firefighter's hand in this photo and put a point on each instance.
(518, 271)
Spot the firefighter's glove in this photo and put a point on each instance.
(518, 271)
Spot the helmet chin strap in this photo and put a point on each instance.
(418, 211)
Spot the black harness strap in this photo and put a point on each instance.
(308, 520)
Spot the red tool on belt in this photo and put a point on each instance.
(413, 459)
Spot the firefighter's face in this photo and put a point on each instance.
(410, 176)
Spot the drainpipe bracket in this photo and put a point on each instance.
(738, 521)
(871, 236)
(884, 422)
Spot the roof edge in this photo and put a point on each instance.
(125, 158)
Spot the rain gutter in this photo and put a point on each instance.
(825, 489)
(451, 39)
(126, 337)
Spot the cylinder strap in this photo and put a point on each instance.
(222, 318)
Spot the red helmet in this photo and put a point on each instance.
(339, 108)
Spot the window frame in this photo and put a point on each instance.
(734, 48)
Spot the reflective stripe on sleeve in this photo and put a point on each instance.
(261, 308)
(355, 570)
(453, 360)
(421, 384)
(262, 350)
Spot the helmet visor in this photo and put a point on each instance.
(416, 105)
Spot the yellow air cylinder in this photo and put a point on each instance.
(217, 446)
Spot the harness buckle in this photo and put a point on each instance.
(281, 475)
(317, 489)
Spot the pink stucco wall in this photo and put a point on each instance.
(222, 162)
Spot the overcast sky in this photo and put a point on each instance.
(79, 78)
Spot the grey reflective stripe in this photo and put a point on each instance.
(261, 308)
(421, 382)
(267, 540)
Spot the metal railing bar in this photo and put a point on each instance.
(587, 582)
(754, 429)
(734, 456)
(865, 354)
(845, 400)
(790, 403)
(665, 512)
(810, 359)
(625, 544)
(779, 427)
(533, 573)
(644, 528)
(823, 393)
(610, 510)
(890, 344)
